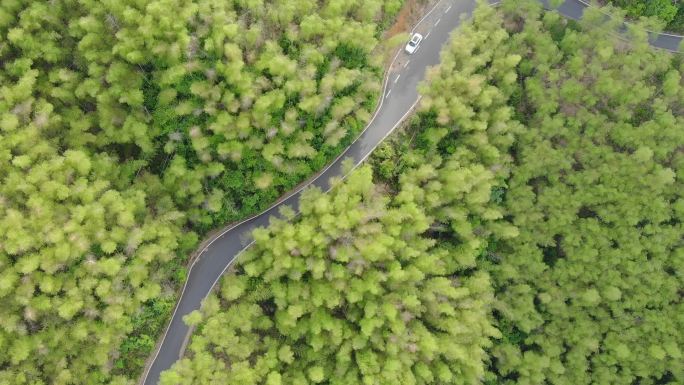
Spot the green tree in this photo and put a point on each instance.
(129, 127)
(349, 293)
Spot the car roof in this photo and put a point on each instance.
(416, 36)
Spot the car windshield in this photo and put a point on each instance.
(412, 43)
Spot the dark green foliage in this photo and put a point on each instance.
(352, 57)
(353, 291)
(145, 326)
(127, 128)
(547, 154)
(537, 192)
(669, 12)
(587, 293)
(349, 294)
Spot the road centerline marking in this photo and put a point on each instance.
(428, 34)
(398, 76)
(437, 22)
(406, 64)
(388, 94)
(447, 10)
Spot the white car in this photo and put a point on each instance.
(412, 45)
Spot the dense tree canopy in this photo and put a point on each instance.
(350, 294)
(127, 128)
(370, 289)
(591, 290)
(524, 228)
(547, 156)
(81, 246)
(248, 97)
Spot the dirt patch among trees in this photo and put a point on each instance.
(410, 13)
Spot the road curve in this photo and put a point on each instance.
(399, 97)
(574, 9)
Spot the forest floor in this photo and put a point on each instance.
(410, 13)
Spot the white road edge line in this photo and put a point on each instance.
(589, 5)
(343, 177)
(628, 23)
(426, 15)
(400, 121)
(397, 78)
(276, 204)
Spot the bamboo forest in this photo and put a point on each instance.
(522, 225)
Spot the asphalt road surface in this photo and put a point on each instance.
(574, 9)
(399, 97)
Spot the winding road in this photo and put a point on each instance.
(399, 97)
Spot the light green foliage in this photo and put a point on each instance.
(537, 192)
(78, 259)
(466, 130)
(547, 153)
(126, 128)
(208, 94)
(266, 94)
(81, 247)
(349, 294)
(588, 277)
(457, 162)
(590, 291)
